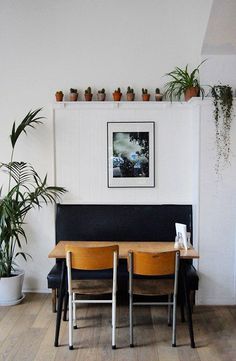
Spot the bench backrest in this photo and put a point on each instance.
(120, 222)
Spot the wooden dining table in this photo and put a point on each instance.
(59, 252)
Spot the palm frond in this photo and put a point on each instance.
(30, 120)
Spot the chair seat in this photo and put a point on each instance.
(153, 287)
(91, 287)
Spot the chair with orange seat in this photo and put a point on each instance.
(165, 266)
(91, 258)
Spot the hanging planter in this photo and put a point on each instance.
(223, 113)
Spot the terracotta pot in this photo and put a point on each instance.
(158, 97)
(88, 97)
(130, 97)
(101, 97)
(73, 97)
(117, 96)
(191, 92)
(59, 97)
(146, 97)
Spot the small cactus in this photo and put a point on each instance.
(59, 92)
(117, 90)
(130, 90)
(72, 90)
(157, 91)
(144, 91)
(88, 90)
(102, 91)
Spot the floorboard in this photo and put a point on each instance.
(27, 334)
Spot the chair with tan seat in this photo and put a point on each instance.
(91, 258)
(165, 266)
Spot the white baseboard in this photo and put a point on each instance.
(44, 290)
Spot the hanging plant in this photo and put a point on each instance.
(223, 112)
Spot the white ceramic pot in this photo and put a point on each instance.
(11, 289)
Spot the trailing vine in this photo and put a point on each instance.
(223, 112)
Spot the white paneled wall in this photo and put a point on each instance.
(81, 152)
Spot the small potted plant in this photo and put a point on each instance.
(59, 96)
(88, 94)
(101, 95)
(117, 95)
(73, 95)
(158, 95)
(184, 83)
(130, 94)
(145, 95)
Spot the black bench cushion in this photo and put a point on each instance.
(54, 275)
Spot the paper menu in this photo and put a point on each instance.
(182, 228)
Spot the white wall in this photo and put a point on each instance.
(81, 153)
(217, 226)
(50, 45)
(219, 69)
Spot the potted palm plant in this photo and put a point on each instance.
(25, 190)
(184, 83)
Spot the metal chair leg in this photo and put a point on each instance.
(174, 322)
(74, 312)
(70, 323)
(169, 310)
(131, 335)
(114, 322)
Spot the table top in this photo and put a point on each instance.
(124, 246)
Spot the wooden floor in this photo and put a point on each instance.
(27, 333)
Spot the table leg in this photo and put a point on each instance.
(188, 306)
(60, 302)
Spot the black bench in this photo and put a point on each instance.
(120, 223)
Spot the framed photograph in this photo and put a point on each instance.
(130, 154)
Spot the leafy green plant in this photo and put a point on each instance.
(181, 81)
(223, 113)
(26, 190)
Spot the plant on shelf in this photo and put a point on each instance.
(88, 94)
(24, 191)
(223, 113)
(158, 95)
(130, 95)
(117, 95)
(73, 95)
(145, 95)
(101, 95)
(184, 83)
(59, 96)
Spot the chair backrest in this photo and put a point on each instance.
(91, 258)
(152, 264)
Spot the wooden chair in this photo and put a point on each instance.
(91, 258)
(154, 264)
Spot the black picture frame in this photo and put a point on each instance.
(131, 154)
